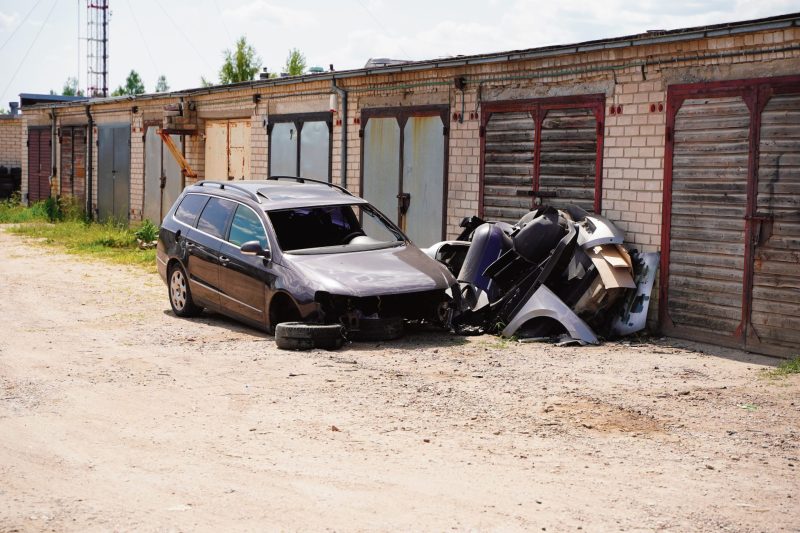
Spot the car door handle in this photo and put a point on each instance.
(224, 260)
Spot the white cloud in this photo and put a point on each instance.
(261, 11)
(8, 21)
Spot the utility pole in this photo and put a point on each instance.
(97, 48)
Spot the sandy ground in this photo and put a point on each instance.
(116, 415)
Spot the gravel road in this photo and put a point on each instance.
(116, 415)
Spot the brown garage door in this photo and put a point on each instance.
(39, 164)
(73, 161)
(732, 219)
(538, 152)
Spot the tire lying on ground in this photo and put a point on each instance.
(377, 329)
(300, 336)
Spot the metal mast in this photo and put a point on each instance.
(97, 48)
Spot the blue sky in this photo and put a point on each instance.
(184, 39)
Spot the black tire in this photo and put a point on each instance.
(378, 329)
(180, 295)
(300, 336)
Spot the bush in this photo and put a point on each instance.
(147, 232)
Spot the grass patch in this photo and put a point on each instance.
(109, 242)
(786, 368)
(11, 212)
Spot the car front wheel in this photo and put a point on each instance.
(180, 296)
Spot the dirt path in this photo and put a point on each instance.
(115, 415)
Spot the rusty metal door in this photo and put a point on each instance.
(541, 152)
(775, 313)
(216, 161)
(568, 158)
(113, 172)
(73, 161)
(381, 165)
(709, 200)
(39, 164)
(163, 180)
(404, 168)
(227, 150)
(239, 149)
(731, 242)
(423, 179)
(509, 140)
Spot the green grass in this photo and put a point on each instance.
(109, 242)
(791, 366)
(12, 212)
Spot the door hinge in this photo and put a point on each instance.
(28, 143)
(668, 132)
(445, 130)
(599, 128)
(361, 132)
(482, 131)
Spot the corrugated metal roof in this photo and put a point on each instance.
(641, 39)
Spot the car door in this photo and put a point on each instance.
(203, 244)
(245, 279)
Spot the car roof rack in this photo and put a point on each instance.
(298, 179)
(236, 188)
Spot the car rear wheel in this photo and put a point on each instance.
(378, 329)
(180, 296)
(300, 336)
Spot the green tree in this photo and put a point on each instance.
(241, 64)
(205, 83)
(133, 85)
(161, 84)
(71, 88)
(295, 63)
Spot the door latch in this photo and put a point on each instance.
(403, 202)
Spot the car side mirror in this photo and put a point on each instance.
(254, 248)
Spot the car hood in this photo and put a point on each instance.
(395, 270)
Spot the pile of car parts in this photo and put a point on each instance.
(555, 273)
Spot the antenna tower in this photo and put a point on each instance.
(97, 48)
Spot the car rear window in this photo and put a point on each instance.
(215, 217)
(190, 208)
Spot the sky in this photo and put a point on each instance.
(42, 42)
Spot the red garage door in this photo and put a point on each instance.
(537, 152)
(39, 164)
(731, 241)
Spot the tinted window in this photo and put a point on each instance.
(190, 207)
(246, 226)
(215, 217)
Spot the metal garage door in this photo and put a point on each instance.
(39, 164)
(113, 172)
(163, 180)
(404, 168)
(541, 152)
(227, 154)
(300, 145)
(732, 218)
(73, 161)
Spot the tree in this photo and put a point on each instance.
(71, 88)
(133, 85)
(241, 64)
(295, 63)
(161, 84)
(205, 83)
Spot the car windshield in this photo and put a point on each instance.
(333, 229)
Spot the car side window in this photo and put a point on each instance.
(190, 208)
(246, 226)
(215, 217)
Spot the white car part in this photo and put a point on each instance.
(544, 303)
(633, 316)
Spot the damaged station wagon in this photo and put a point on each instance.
(293, 249)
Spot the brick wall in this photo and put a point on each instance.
(11, 135)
